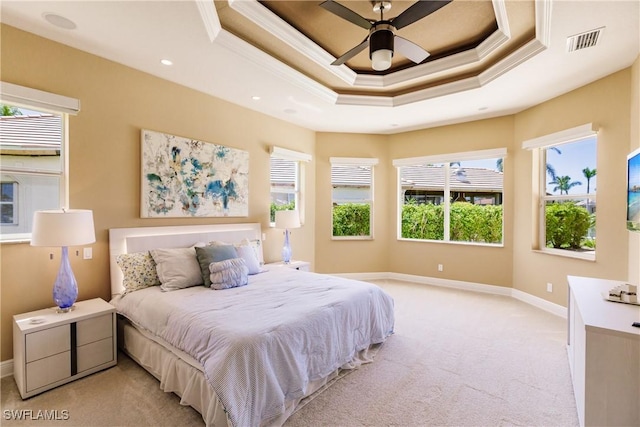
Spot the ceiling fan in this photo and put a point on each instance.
(382, 38)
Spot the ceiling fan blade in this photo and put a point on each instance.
(410, 50)
(417, 11)
(346, 13)
(353, 52)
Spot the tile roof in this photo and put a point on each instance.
(38, 132)
(462, 179)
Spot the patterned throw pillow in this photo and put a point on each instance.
(139, 270)
(230, 273)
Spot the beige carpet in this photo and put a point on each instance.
(456, 359)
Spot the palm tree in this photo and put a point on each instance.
(588, 173)
(8, 110)
(551, 171)
(564, 184)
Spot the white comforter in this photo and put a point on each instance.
(260, 345)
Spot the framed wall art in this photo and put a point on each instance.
(184, 177)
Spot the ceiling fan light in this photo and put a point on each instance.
(381, 59)
(381, 48)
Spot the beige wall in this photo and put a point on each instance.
(116, 103)
(478, 264)
(350, 256)
(606, 104)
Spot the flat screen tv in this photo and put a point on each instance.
(633, 191)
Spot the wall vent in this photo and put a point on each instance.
(584, 40)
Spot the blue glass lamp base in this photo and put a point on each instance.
(286, 249)
(65, 288)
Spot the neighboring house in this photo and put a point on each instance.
(425, 184)
(30, 154)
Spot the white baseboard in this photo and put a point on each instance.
(6, 368)
(540, 303)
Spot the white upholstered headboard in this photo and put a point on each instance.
(130, 240)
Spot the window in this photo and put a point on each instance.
(452, 198)
(8, 196)
(352, 197)
(566, 166)
(286, 178)
(32, 151)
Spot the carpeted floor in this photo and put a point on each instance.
(457, 358)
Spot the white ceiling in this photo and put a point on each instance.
(209, 59)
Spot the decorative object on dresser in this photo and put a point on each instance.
(51, 349)
(287, 220)
(64, 228)
(604, 354)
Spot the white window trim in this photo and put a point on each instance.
(300, 158)
(357, 161)
(40, 100)
(452, 157)
(26, 97)
(446, 159)
(538, 146)
(577, 133)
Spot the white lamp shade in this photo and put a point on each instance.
(287, 219)
(70, 227)
(381, 59)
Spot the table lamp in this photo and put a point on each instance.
(287, 220)
(63, 228)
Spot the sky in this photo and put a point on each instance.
(571, 160)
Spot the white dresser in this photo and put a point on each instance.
(604, 354)
(51, 348)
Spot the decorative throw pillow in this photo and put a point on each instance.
(213, 253)
(248, 254)
(177, 268)
(139, 271)
(230, 273)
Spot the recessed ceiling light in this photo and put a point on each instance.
(255, 98)
(290, 111)
(59, 21)
(394, 125)
(483, 108)
(166, 62)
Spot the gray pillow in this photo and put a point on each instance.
(213, 253)
(230, 273)
(177, 268)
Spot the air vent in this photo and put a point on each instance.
(584, 40)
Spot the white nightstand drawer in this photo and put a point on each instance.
(94, 329)
(47, 343)
(95, 354)
(48, 370)
(51, 348)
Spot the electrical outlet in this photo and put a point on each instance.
(87, 253)
(549, 287)
(440, 267)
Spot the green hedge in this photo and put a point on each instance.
(468, 222)
(351, 219)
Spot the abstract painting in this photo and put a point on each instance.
(184, 177)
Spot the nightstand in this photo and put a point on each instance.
(296, 265)
(51, 348)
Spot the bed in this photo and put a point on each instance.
(245, 355)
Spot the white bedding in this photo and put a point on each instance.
(261, 345)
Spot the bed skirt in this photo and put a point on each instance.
(188, 382)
